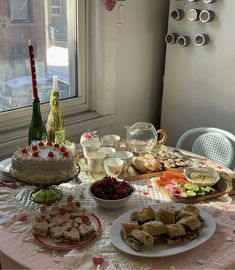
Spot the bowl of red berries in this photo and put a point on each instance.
(111, 193)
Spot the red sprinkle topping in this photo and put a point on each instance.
(56, 145)
(23, 218)
(149, 186)
(35, 154)
(62, 149)
(62, 211)
(35, 148)
(49, 143)
(41, 144)
(50, 154)
(24, 151)
(85, 219)
(145, 193)
(66, 154)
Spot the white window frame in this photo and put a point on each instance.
(56, 6)
(95, 106)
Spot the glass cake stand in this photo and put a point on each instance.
(47, 193)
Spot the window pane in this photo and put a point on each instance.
(52, 47)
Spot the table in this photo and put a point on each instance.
(17, 253)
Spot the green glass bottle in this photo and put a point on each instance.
(37, 130)
(55, 121)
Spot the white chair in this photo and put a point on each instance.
(213, 143)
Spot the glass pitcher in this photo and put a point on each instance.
(142, 137)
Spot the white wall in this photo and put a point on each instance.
(140, 63)
(199, 81)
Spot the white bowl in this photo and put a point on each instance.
(205, 170)
(111, 204)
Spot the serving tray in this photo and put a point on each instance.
(226, 185)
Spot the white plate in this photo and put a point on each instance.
(162, 250)
(5, 165)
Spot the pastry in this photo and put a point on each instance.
(146, 163)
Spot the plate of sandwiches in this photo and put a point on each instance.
(66, 227)
(163, 229)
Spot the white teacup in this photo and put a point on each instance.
(90, 146)
(111, 140)
(113, 166)
(126, 156)
(95, 162)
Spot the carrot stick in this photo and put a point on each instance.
(181, 181)
(163, 183)
(171, 174)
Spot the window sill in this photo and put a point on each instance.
(75, 125)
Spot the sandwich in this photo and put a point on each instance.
(72, 235)
(58, 220)
(86, 230)
(57, 232)
(167, 214)
(40, 228)
(188, 210)
(192, 226)
(147, 214)
(176, 233)
(157, 229)
(139, 240)
(128, 227)
(190, 222)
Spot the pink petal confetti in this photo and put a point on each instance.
(23, 218)
(149, 186)
(98, 260)
(225, 207)
(232, 217)
(145, 193)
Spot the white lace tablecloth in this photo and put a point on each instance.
(18, 248)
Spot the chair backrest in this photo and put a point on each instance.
(214, 144)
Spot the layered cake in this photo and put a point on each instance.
(43, 163)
